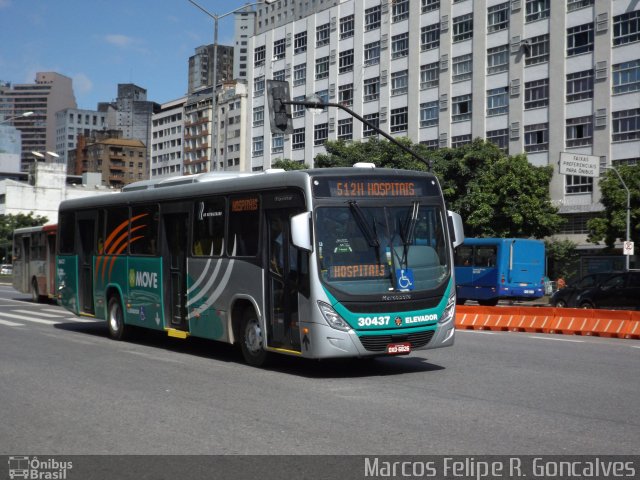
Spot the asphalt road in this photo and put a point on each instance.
(65, 388)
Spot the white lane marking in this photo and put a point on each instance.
(59, 311)
(558, 339)
(24, 319)
(11, 324)
(483, 332)
(82, 320)
(40, 313)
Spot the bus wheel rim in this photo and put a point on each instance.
(253, 336)
(113, 320)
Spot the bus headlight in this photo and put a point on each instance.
(333, 318)
(449, 310)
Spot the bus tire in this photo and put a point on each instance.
(115, 319)
(35, 294)
(252, 340)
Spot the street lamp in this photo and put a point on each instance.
(214, 80)
(43, 156)
(624, 185)
(25, 114)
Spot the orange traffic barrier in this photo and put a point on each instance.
(567, 321)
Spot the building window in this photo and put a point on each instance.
(320, 134)
(299, 74)
(258, 116)
(372, 17)
(580, 39)
(536, 94)
(461, 108)
(626, 28)
(279, 49)
(429, 75)
(277, 143)
(498, 17)
(345, 94)
(400, 10)
(429, 114)
(322, 68)
(537, 50)
(300, 42)
(347, 26)
(298, 110)
(579, 86)
(626, 125)
(430, 37)
(297, 139)
(345, 63)
(536, 138)
(460, 140)
(429, 5)
(322, 35)
(373, 119)
(399, 82)
(462, 27)
(400, 45)
(499, 138)
(345, 129)
(578, 184)
(498, 59)
(537, 10)
(626, 77)
(259, 56)
(576, 222)
(279, 75)
(497, 101)
(399, 119)
(462, 67)
(258, 86)
(372, 53)
(257, 148)
(579, 131)
(431, 144)
(371, 90)
(577, 4)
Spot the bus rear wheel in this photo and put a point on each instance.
(252, 340)
(115, 319)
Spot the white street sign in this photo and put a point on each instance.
(627, 248)
(582, 165)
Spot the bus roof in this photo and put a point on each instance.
(219, 183)
(495, 240)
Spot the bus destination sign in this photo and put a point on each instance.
(374, 188)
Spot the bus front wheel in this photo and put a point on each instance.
(115, 319)
(252, 340)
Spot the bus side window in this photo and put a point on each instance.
(208, 227)
(464, 256)
(144, 230)
(486, 256)
(244, 225)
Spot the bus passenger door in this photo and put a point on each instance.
(285, 275)
(175, 225)
(86, 253)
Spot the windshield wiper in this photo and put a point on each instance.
(371, 238)
(408, 230)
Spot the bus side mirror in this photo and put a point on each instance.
(456, 229)
(301, 231)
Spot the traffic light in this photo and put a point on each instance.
(279, 108)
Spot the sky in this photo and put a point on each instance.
(100, 43)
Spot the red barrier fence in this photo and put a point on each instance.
(568, 321)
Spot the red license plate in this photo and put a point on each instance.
(399, 348)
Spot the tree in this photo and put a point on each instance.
(612, 224)
(561, 257)
(8, 223)
(289, 164)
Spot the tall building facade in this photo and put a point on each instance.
(50, 93)
(167, 136)
(73, 122)
(233, 124)
(534, 76)
(201, 66)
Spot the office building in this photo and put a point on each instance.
(167, 136)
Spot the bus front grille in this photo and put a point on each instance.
(378, 343)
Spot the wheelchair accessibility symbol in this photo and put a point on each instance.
(404, 279)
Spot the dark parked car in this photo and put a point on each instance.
(565, 297)
(620, 291)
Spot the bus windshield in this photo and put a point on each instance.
(377, 249)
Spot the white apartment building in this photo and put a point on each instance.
(232, 120)
(72, 122)
(167, 137)
(534, 76)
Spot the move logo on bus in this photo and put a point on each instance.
(143, 279)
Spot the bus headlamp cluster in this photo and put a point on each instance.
(332, 317)
(449, 310)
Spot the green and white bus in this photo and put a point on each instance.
(322, 263)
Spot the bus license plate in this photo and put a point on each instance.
(399, 348)
(529, 292)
